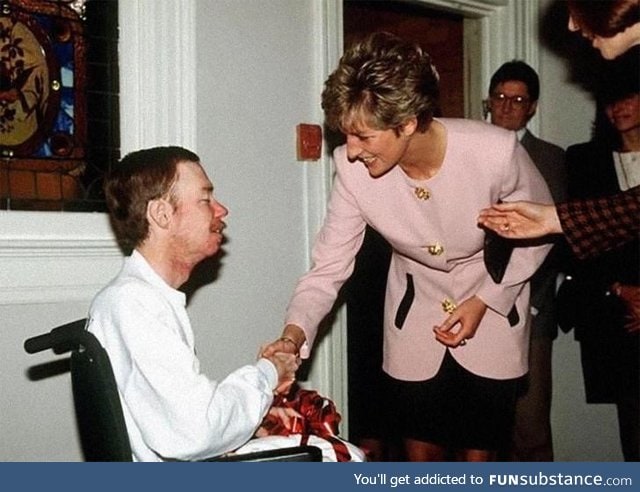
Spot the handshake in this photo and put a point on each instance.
(284, 354)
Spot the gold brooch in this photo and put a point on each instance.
(422, 193)
(448, 306)
(435, 249)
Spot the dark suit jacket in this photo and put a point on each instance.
(609, 353)
(550, 161)
(592, 174)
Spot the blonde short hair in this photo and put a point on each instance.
(381, 81)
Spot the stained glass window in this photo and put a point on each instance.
(59, 119)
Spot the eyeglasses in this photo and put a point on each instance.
(516, 101)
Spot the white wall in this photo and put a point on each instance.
(259, 66)
(565, 109)
(256, 81)
(36, 417)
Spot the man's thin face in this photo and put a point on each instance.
(198, 217)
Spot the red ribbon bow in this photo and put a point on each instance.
(319, 418)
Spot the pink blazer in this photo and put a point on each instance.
(437, 247)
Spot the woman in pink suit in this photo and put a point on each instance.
(455, 341)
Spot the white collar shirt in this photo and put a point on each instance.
(171, 409)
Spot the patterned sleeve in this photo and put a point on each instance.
(596, 225)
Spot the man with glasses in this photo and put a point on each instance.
(513, 99)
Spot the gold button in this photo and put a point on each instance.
(422, 193)
(448, 306)
(435, 249)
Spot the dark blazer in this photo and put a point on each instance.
(609, 353)
(550, 161)
(592, 174)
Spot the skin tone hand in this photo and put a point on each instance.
(286, 365)
(285, 415)
(521, 219)
(467, 316)
(630, 295)
(290, 342)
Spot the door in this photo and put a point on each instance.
(440, 33)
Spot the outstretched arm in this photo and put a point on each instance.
(591, 226)
(521, 219)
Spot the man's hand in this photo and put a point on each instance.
(286, 365)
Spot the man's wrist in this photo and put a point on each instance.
(269, 370)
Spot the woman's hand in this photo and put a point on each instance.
(468, 316)
(292, 339)
(521, 219)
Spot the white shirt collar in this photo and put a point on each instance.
(139, 264)
(627, 166)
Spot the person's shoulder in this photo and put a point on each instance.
(544, 145)
(584, 148)
(340, 154)
(552, 148)
(468, 125)
(126, 305)
(468, 130)
(347, 168)
(579, 146)
(479, 140)
(125, 290)
(589, 157)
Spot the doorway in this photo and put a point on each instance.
(441, 35)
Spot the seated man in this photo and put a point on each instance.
(165, 216)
